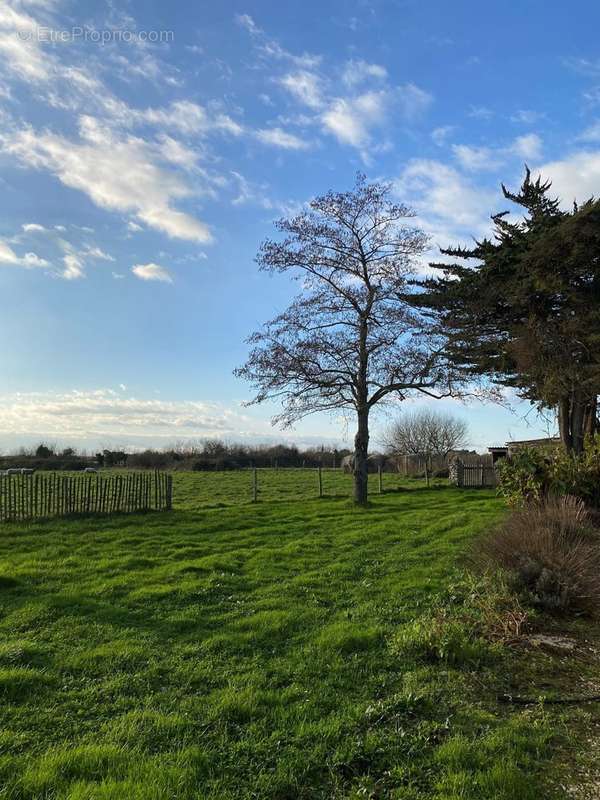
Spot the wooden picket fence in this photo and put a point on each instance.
(52, 494)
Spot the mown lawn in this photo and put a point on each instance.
(243, 651)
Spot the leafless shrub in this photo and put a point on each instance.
(552, 550)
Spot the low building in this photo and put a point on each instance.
(512, 447)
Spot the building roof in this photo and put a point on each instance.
(549, 440)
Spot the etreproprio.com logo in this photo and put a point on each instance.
(93, 35)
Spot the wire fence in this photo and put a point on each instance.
(52, 494)
(215, 489)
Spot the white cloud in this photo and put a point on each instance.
(592, 95)
(97, 252)
(269, 48)
(584, 66)
(591, 133)
(178, 153)
(528, 146)
(450, 207)
(105, 413)
(152, 272)
(527, 116)
(117, 173)
(29, 260)
(184, 116)
(359, 71)
(413, 100)
(305, 87)
(21, 52)
(74, 267)
(74, 255)
(481, 112)
(479, 159)
(476, 158)
(250, 193)
(441, 134)
(280, 138)
(246, 21)
(576, 177)
(350, 120)
(353, 117)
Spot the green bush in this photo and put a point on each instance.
(530, 475)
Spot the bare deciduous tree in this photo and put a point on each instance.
(426, 433)
(349, 339)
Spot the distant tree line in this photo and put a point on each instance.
(219, 455)
(211, 454)
(47, 457)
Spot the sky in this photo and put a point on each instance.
(146, 148)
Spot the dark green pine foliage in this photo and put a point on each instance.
(523, 308)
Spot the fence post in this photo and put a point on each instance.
(254, 485)
(380, 475)
(169, 492)
(320, 473)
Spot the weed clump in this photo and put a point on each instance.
(551, 552)
(465, 626)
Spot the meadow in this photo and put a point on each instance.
(236, 650)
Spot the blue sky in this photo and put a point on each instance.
(147, 147)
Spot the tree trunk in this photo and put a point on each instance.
(577, 418)
(590, 422)
(564, 423)
(361, 440)
(361, 455)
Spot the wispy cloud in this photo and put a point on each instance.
(584, 66)
(413, 101)
(152, 272)
(481, 112)
(359, 71)
(450, 207)
(480, 159)
(117, 173)
(349, 104)
(268, 48)
(440, 135)
(107, 414)
(306, 87)
(351, 120)
(527, 116)
(280, 138)
(591, 133)
(28, 260)
(575, 177)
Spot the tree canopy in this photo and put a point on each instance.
(350, 338)
(524, 306)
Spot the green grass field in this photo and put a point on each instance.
(231, 650)
(213, 490)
